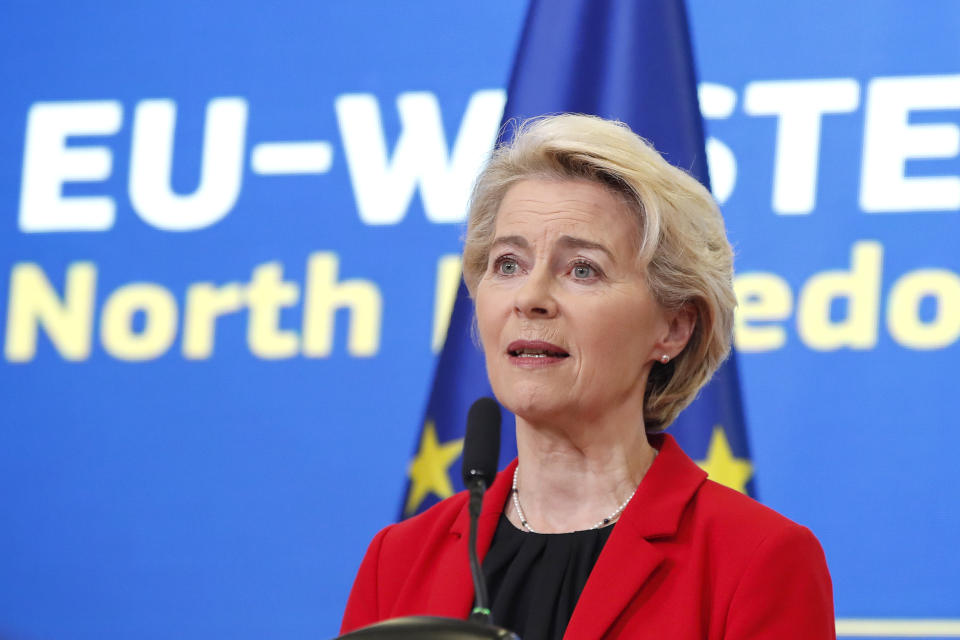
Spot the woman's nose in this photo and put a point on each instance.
(535, 298)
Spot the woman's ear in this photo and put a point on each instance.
(681, 325)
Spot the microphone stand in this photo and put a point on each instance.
(481, 444)
(478, 627)
(481, 609)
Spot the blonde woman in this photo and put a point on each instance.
(602, 280)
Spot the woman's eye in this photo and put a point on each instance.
(507, 266)
(583, 271)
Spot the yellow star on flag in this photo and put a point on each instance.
(428, 471)
(722, 466)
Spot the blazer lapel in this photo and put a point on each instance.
(623, 566)
(629, 557)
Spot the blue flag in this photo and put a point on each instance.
(627, 60)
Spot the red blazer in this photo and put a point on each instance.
(688, 559)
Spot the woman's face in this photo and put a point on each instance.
(568, 324)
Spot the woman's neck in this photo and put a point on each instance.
(570, 479)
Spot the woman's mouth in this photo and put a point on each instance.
(535, 352)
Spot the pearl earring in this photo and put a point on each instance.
(664, 358)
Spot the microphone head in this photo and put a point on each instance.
(481, 446)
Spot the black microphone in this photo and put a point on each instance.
(481, 446)
(481, 451)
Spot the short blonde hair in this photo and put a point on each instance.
(682, 243)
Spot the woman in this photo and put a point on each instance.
(602, 279)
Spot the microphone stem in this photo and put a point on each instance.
(481, 612)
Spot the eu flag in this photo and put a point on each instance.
(626, 60)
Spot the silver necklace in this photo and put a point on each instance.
(526, 525)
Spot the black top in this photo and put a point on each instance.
(535, 579)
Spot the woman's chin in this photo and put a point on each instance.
(537, 406)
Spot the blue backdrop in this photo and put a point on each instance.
(225, 233)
